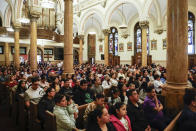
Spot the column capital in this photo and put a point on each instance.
(17, 26)
(81, 37)
(144, 24)
(34, 13)
(106, 31)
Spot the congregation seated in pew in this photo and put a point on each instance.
(88, 99)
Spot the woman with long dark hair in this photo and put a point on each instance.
(98, 120)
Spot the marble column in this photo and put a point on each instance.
(7, 58)
(81, 37)
(144, 26)
(16, 47)
(68, 37)
(177, 57)
(106, 50)
(33, 43)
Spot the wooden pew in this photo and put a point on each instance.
(80, 120)
(14, 107)
(34, 122)
(171, 126)
(50, 123)
(22, 113)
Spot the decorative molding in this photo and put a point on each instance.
(144, 24)
(34, 13)
(106, 32)
(158, 31)
(125, 36)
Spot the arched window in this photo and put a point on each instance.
(138, 39)
(1, 22)
(191, 33)
(113, 41)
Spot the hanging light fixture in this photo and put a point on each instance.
(123, 26)
(47, 4)
(92, 33)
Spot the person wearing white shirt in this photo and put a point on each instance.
(106, 83)
(158, 85)
(113, 80)
(121, 74)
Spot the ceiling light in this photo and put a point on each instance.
(24, 20)
(10, 29)
(47, 4)
(92, 33)
(123, 26)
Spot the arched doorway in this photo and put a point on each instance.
(40, 56)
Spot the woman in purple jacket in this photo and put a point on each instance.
(119, 117)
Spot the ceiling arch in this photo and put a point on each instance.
(111, 9)
(96, 13)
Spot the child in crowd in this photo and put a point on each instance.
(114, 96)
(119, 117)
(72, 108)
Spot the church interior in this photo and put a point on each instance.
(97, 65)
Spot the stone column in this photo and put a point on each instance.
(7, 58)
(16, 46)
(144, 26)
(33, 44)
(106, 50)
(177, 58)
(34, 16)
(68, 37)
(81, 37)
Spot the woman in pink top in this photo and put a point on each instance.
(119, 117)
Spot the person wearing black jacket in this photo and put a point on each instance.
(46, 103)
(66, 89)
(135, 112)
(83, 95)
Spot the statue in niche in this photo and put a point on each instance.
(60, 17)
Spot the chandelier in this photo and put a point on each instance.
(123, 26)
(47, 4)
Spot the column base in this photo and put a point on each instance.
(173, 97)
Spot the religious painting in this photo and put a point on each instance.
(1, 49)
(48, 51)
(153, 44)
(100, 48)
(121, 47)
(129, 46)
(164, 44)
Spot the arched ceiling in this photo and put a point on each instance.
(125, 12)
(93, 21)
(3, 7)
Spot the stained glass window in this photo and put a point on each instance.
(138, 39)
(191, 33)
(113, 41)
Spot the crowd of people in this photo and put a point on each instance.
(131, 103)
